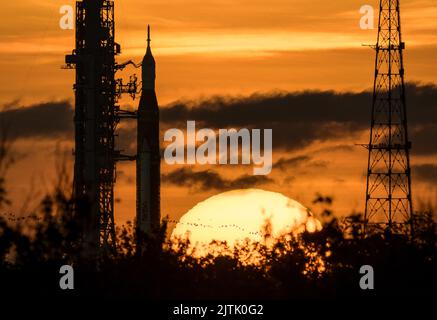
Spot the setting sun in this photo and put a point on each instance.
(240, 214)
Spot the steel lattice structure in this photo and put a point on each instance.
(388, 194)
(96, 119)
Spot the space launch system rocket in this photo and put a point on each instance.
(148, 150)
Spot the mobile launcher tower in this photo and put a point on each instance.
(97, 115)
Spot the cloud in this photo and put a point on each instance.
(49, 120)
(423, 138)
(208, 180)
(337, 148)
(425, 172)
(298, 119)
(271, 108)
(284, 164)
(301, 118)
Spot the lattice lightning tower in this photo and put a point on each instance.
(388, 194)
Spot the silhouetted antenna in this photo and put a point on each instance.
(388, 192)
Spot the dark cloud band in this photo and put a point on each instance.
(297, 118)
(208, 180)
(46, 120)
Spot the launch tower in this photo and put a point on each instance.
(96, 118)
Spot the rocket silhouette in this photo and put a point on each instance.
(148, 151)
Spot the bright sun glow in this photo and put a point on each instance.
(236, 215)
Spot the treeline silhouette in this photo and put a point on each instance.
(322, 264)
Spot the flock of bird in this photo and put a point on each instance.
(14, 218)
(223, 226)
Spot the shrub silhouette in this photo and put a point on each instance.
(321, 264)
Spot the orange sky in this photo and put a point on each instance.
(204, 48)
